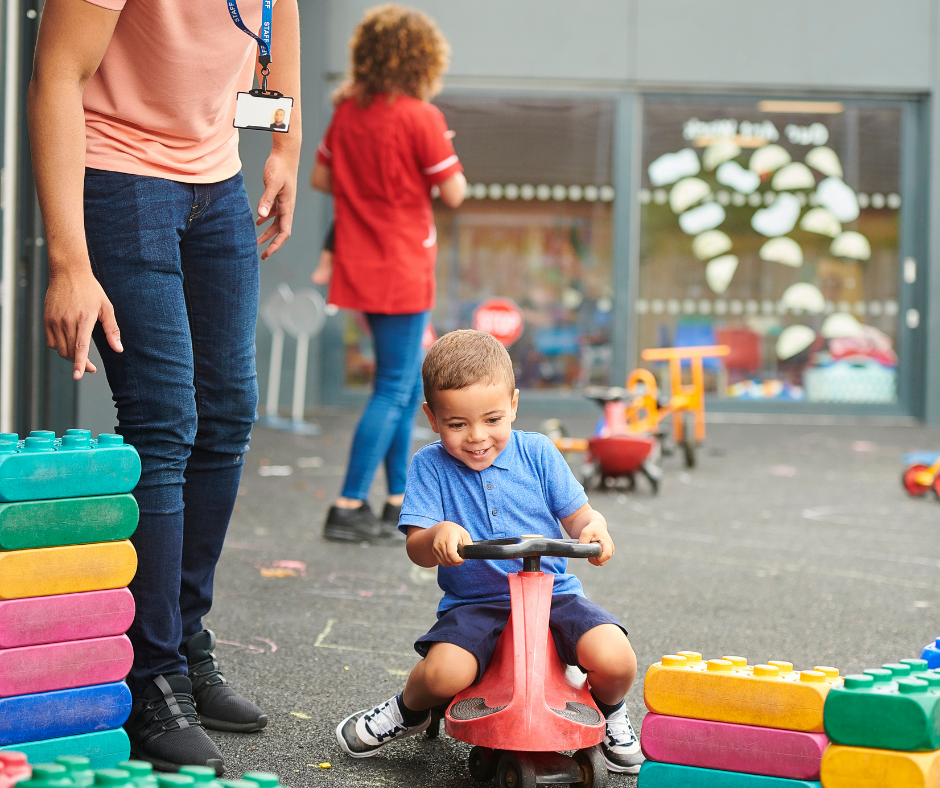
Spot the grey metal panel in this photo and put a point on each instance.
(824, 44)
(521, 38)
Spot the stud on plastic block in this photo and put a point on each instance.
(738, 748)
(64, 521)
(50, 715)
(898, 714)
(771, 695)
(57, 666)
(41, 467)
(13, 768)
(66, 570)
(858, 767)
(104, 749)
(669, 775)
(54, 619)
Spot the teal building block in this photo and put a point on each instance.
(66, 521)
(670, 775)
(895, 707)
(103, 749)
(42, 467)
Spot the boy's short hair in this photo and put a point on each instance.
(463, 358)
(397, 49)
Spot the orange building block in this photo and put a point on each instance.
(66, 570)
(730, 690)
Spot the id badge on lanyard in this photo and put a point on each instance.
(260, 108)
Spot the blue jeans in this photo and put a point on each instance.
(384, 431)
(179, 263)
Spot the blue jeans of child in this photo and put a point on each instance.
(384, 431)
(179, 263)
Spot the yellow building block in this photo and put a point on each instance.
(729, 690)
(66, 570)
(857, 767)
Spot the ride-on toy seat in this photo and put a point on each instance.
(527, 706)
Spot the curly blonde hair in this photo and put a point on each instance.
(396, 50)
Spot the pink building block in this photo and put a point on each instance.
(55, 666)
(54, 619)
(734, 748)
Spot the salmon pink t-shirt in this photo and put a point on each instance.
(162, 101)
(384, 159)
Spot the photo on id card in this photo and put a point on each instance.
(265, 113)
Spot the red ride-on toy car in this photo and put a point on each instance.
(527, 706)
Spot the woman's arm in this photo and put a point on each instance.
(321, 178)
(453, 190)
(73, 37)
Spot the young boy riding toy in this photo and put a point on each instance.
(483, 480)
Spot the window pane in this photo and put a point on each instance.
(776, 233)
(535, 228)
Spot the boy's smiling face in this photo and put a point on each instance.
(475, 423)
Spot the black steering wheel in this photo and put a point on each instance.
(529, 548)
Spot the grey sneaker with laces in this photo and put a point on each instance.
(363, 733)
(621, 746)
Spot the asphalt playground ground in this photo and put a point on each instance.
(788, 541)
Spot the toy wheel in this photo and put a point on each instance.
(592, 767)
(936, 486)
(434, 729)
(653, 474)
(482, 763)
(591, 476)
(909, 480)
(515, 771)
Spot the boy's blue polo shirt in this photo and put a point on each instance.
(526, 490)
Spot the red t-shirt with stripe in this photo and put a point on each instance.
(385, 158)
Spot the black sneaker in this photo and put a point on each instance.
(621, 747)
(353, 525)
(389, 522)
(165, 730)
(220, 707)
(363, 733)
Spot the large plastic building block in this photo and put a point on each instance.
(56, 666)
(931, 654)
(730, 690)
(858, 767)
(61, 521)
(42, 467)
(66, 570)
(738, 748)
(54, 619)
(13, 768)
(670, 775)
(875, 711)
(104, 749)
(70, 712)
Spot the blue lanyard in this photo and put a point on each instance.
(264, 40)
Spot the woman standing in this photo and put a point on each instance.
(385, 148)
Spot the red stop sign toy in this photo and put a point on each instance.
(499, 317)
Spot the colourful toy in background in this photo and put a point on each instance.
(65, 562)
(727, 724)
(884, 725)
(921, 474)
(70, 771)
(931, 654)
(629, 438)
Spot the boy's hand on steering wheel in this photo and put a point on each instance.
(597, 532)
(444, 547)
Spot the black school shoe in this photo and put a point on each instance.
(353, 525)
(165, 730)
(390, 516)
(220, 707)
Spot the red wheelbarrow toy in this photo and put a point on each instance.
(921, 474)
(527, 706)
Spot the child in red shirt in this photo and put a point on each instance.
(385, 147)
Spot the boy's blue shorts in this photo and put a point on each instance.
(476, 628)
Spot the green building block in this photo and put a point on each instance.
(103, 749)
(141, 773)
(895, 707)
(65, 521)
(79, 769)
(670, 775)
(41, 467)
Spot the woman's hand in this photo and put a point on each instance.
(277, 202)
(321, 276)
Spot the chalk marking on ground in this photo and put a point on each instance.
(318, 643)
